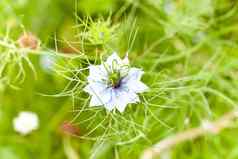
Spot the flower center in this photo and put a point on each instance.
(115, 79)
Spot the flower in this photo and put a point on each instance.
(26, 122)
(114, 84)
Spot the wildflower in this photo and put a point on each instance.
(26, 122)
(28, 40)
(114, 84)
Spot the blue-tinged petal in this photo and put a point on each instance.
(97, 73)
(133, 74)
(121, 106)
(136, 86)
(95, 87)
(111, 104)
(95, 101)
(101, 98)
(125, 97)
(113, 58)
(126, 61)
(133, 97)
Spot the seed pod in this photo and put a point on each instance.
(69, 128)
(28, 40)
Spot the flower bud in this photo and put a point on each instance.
(68, 128)
(28, 40)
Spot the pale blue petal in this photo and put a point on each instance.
(124, 97)
(136, 86)
(126, 61)
(97, 73)
(111, 104)
(95, 87)
(105, 95)
(114, 58)
(99, 91)
(133, 74)
(95, 101)
(121, 106)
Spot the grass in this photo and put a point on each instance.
(188, 50)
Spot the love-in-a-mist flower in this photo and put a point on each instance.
(114, 84)
(26, 122)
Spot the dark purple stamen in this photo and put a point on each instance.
(118, 84)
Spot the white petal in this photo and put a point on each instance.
(111, 104)
(95, 101)
(95, 87)
(134, 74)
(121, 106)
(132, 81)
(136, 86)
(102, 96)
(113, 60)
(105, 95)
(125, 61)
(123, 98)
(132, 97)
(97, 73)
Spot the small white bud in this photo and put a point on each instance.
(25, 122)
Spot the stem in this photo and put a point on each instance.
(12, 46)
(211, 127)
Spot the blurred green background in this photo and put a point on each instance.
(192, 43)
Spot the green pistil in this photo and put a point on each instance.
(114, 79)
